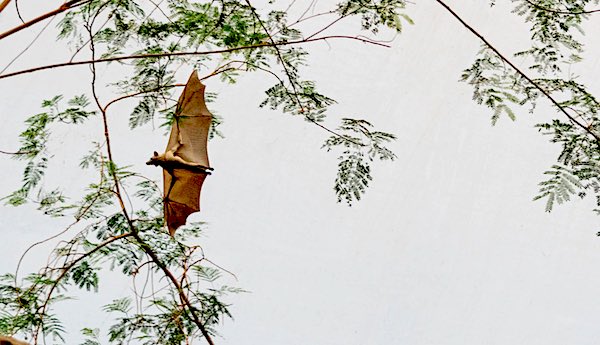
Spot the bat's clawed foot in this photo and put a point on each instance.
(205, 170)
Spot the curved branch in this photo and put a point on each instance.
(521, 73)
(161, 55)
(156, 89)
(138, 93)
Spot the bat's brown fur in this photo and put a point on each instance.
(11, 341)
(169, 161)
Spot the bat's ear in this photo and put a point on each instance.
(155, 154)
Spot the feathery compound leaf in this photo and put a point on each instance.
(141, 114)
(361, 146)
(559, 187)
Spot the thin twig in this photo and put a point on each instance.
(78, 50)
(332, 23)
(157, 7)
(18, 11)
(139, 93)
(299, 20)
(16, 153)
(28, 46)
(217, 51)
(516, 69)
(539, 7)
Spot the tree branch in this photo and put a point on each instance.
(521, 73)
(64, 7)
(3, 5)
(161, 55)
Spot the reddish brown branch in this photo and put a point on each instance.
(161, 55)
(3, 4)
(64, 7)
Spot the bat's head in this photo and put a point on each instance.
(153, 160)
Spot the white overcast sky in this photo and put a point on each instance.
(447, 246)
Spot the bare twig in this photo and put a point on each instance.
(18, 11)
(78, 50)
(299, 20)
(28, 46)
(139, 93)
(332, 23)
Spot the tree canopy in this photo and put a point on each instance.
(140, 50)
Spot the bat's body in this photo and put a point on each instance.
(185, 161)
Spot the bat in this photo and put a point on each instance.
(185, 161)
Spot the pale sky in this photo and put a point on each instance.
(447, 246)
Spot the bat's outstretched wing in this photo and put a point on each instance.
(189, 135)
(182, 196)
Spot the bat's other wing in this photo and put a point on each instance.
(192, 122)
(183, 198)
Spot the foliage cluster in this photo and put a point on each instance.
(226, 39)
(119, 221)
